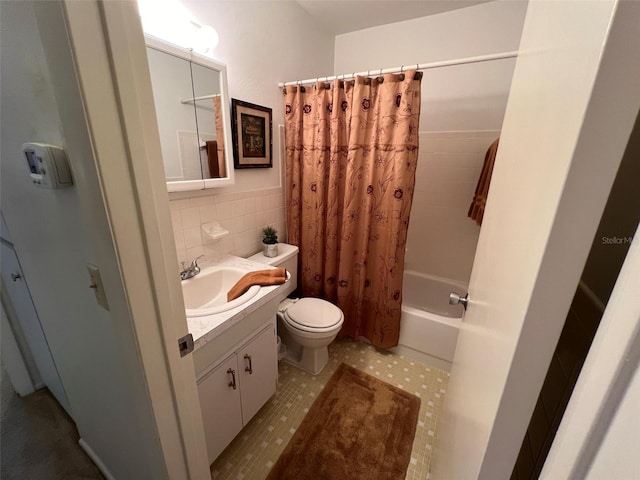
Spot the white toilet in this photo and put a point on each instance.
(306, 325)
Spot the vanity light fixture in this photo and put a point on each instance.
(172, 22)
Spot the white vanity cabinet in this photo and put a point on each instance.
(233, 390)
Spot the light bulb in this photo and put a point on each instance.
(205, 39)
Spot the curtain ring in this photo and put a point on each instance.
(380, 72)
(417, 66)
(401, 68)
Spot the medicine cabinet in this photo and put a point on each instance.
(192, 107)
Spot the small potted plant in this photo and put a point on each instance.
(269, 242)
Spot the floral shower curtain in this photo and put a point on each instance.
(351, 155)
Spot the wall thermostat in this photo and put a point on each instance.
(48, 165)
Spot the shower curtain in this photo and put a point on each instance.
(351, 155)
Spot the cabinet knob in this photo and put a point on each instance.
(232, 383)
(250, 367)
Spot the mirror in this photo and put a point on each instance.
(192, 106)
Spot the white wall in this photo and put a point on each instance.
(56, 233)
(262, 44)
(467, 102)
(467, 97)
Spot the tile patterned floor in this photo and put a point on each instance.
(254, 451)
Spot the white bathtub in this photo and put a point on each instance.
(429, 325)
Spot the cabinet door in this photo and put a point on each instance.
(220, 405)
(258, 365)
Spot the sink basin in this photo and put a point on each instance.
(206, 293)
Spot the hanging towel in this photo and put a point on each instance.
(212, 157)
(273, 276)
(222, 169)
(476, 210)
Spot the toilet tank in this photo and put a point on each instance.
(287, 258)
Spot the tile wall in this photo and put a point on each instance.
(442, 239)
(243, 214)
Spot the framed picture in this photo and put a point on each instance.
(252, 135)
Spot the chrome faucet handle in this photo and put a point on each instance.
(194, 263)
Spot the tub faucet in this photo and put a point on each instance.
(192, 270)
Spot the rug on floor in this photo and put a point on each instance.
(359, 427)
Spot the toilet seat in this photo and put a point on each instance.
(313, 315)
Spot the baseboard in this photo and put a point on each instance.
(92, 455)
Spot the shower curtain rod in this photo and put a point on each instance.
(419, 66)
(195, 99)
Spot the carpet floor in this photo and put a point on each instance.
(38, 440)
(359, 428)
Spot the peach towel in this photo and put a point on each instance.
(273, 276)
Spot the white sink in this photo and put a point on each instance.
(206, 293)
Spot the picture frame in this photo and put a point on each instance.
(252, 134)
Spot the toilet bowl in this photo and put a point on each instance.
(306, 325)
(309, 326)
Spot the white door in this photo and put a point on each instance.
(28, 321)
(572, 105)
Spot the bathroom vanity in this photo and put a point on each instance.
(236, 361)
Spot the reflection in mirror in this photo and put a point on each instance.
(189, 94)
(206, 90)
(171, 81)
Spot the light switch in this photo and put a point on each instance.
(96, 285)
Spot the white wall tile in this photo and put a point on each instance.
(250, 205)
(190, 217)
(179, 204)
(192, 237)
(442, 239)
(176, 220)
(242, 214)
(194, 252)
(225, 210)
(179, 237)
(201, 201)
(208, 213)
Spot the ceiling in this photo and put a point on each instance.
(341, 16)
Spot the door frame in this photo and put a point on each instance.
(612, 360)
(108, 49)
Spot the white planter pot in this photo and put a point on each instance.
(270, 250)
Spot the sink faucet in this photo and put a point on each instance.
(192, 270)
